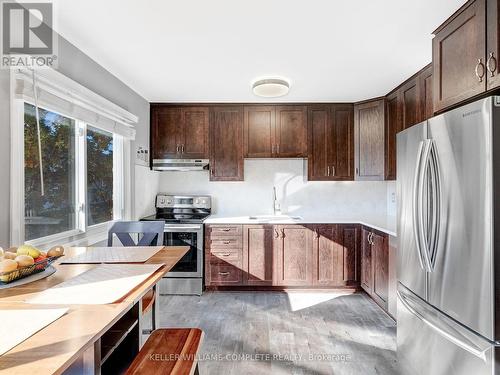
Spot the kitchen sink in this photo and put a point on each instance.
(267, 218)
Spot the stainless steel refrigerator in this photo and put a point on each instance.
(448, 171)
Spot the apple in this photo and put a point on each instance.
(28, 250)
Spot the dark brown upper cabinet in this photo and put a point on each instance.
(460, 55)
(393, 124)
(409, 101)
(275, 131)
(291, 131)
(425, 102)
(226, 143)
(259, 125)
(369, 132)
(331, 142)
(179, 132)
(493, 44)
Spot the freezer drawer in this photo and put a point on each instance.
(433, 344)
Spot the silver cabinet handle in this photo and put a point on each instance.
(357, 171)
(212, 171)
(479, 70)
(182, 149)
(277, 235)
(226, 254)
(328, 171)
(282, 233)
(224, 273)
(226, 242)
(177, 149)
(272, 149)
(491, 64)
(333, 170)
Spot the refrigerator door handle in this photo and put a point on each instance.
(420, 186)
(416, 204)
(444, 326)
(435, 186)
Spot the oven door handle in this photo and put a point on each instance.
(170, 228)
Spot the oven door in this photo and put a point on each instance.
(191, 264)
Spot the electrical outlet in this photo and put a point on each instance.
(142, 155)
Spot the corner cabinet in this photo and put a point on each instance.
(369, 131)
(226, 143)
(331, 142)
(375, 265)
(179, 132)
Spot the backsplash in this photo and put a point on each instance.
(254, 195)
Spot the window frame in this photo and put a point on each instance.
(82, 232)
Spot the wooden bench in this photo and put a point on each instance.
(169, 351)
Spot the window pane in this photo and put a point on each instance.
(99, 176)
(53, 212)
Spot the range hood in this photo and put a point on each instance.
(183, 165)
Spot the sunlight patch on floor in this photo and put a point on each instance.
(303, 300)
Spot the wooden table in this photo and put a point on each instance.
(74, 341)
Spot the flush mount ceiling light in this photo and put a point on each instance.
(271, 88)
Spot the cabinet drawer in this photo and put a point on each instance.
(223, 242)
(225, 230)
(231, 257)
(225, 274)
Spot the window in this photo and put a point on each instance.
(80, 167)
(99, 176)
(53, 212)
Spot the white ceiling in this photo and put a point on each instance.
(199, 50)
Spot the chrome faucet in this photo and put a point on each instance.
(276, 203)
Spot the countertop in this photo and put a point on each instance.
(385, 224)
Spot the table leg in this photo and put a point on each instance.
(155, 311)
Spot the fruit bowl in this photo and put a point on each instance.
(19, 273)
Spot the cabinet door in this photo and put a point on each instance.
(328, 253)
(342, 142)
(493, 43)
(319, 138)
(366, 262)
(369, 140)
(226, 144)
(348, 238)
(165, 139)
(291, 131)
(459, 49)
(409, 104)
(393, 124)
(259, 128)
(194, 133)
(380, 259)
(425, 101)
(258, 245)
(293, 264)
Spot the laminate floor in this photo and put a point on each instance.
(280, 333)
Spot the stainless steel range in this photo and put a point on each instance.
(183, 216)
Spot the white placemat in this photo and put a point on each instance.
(29, 322)
(104, 284)
(126, 254)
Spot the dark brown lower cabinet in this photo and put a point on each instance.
(293, 249)
(366, 262)
(319, 255)
(335, 255)
(258, 254)
(375, 265)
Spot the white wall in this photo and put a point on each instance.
(254, 195)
